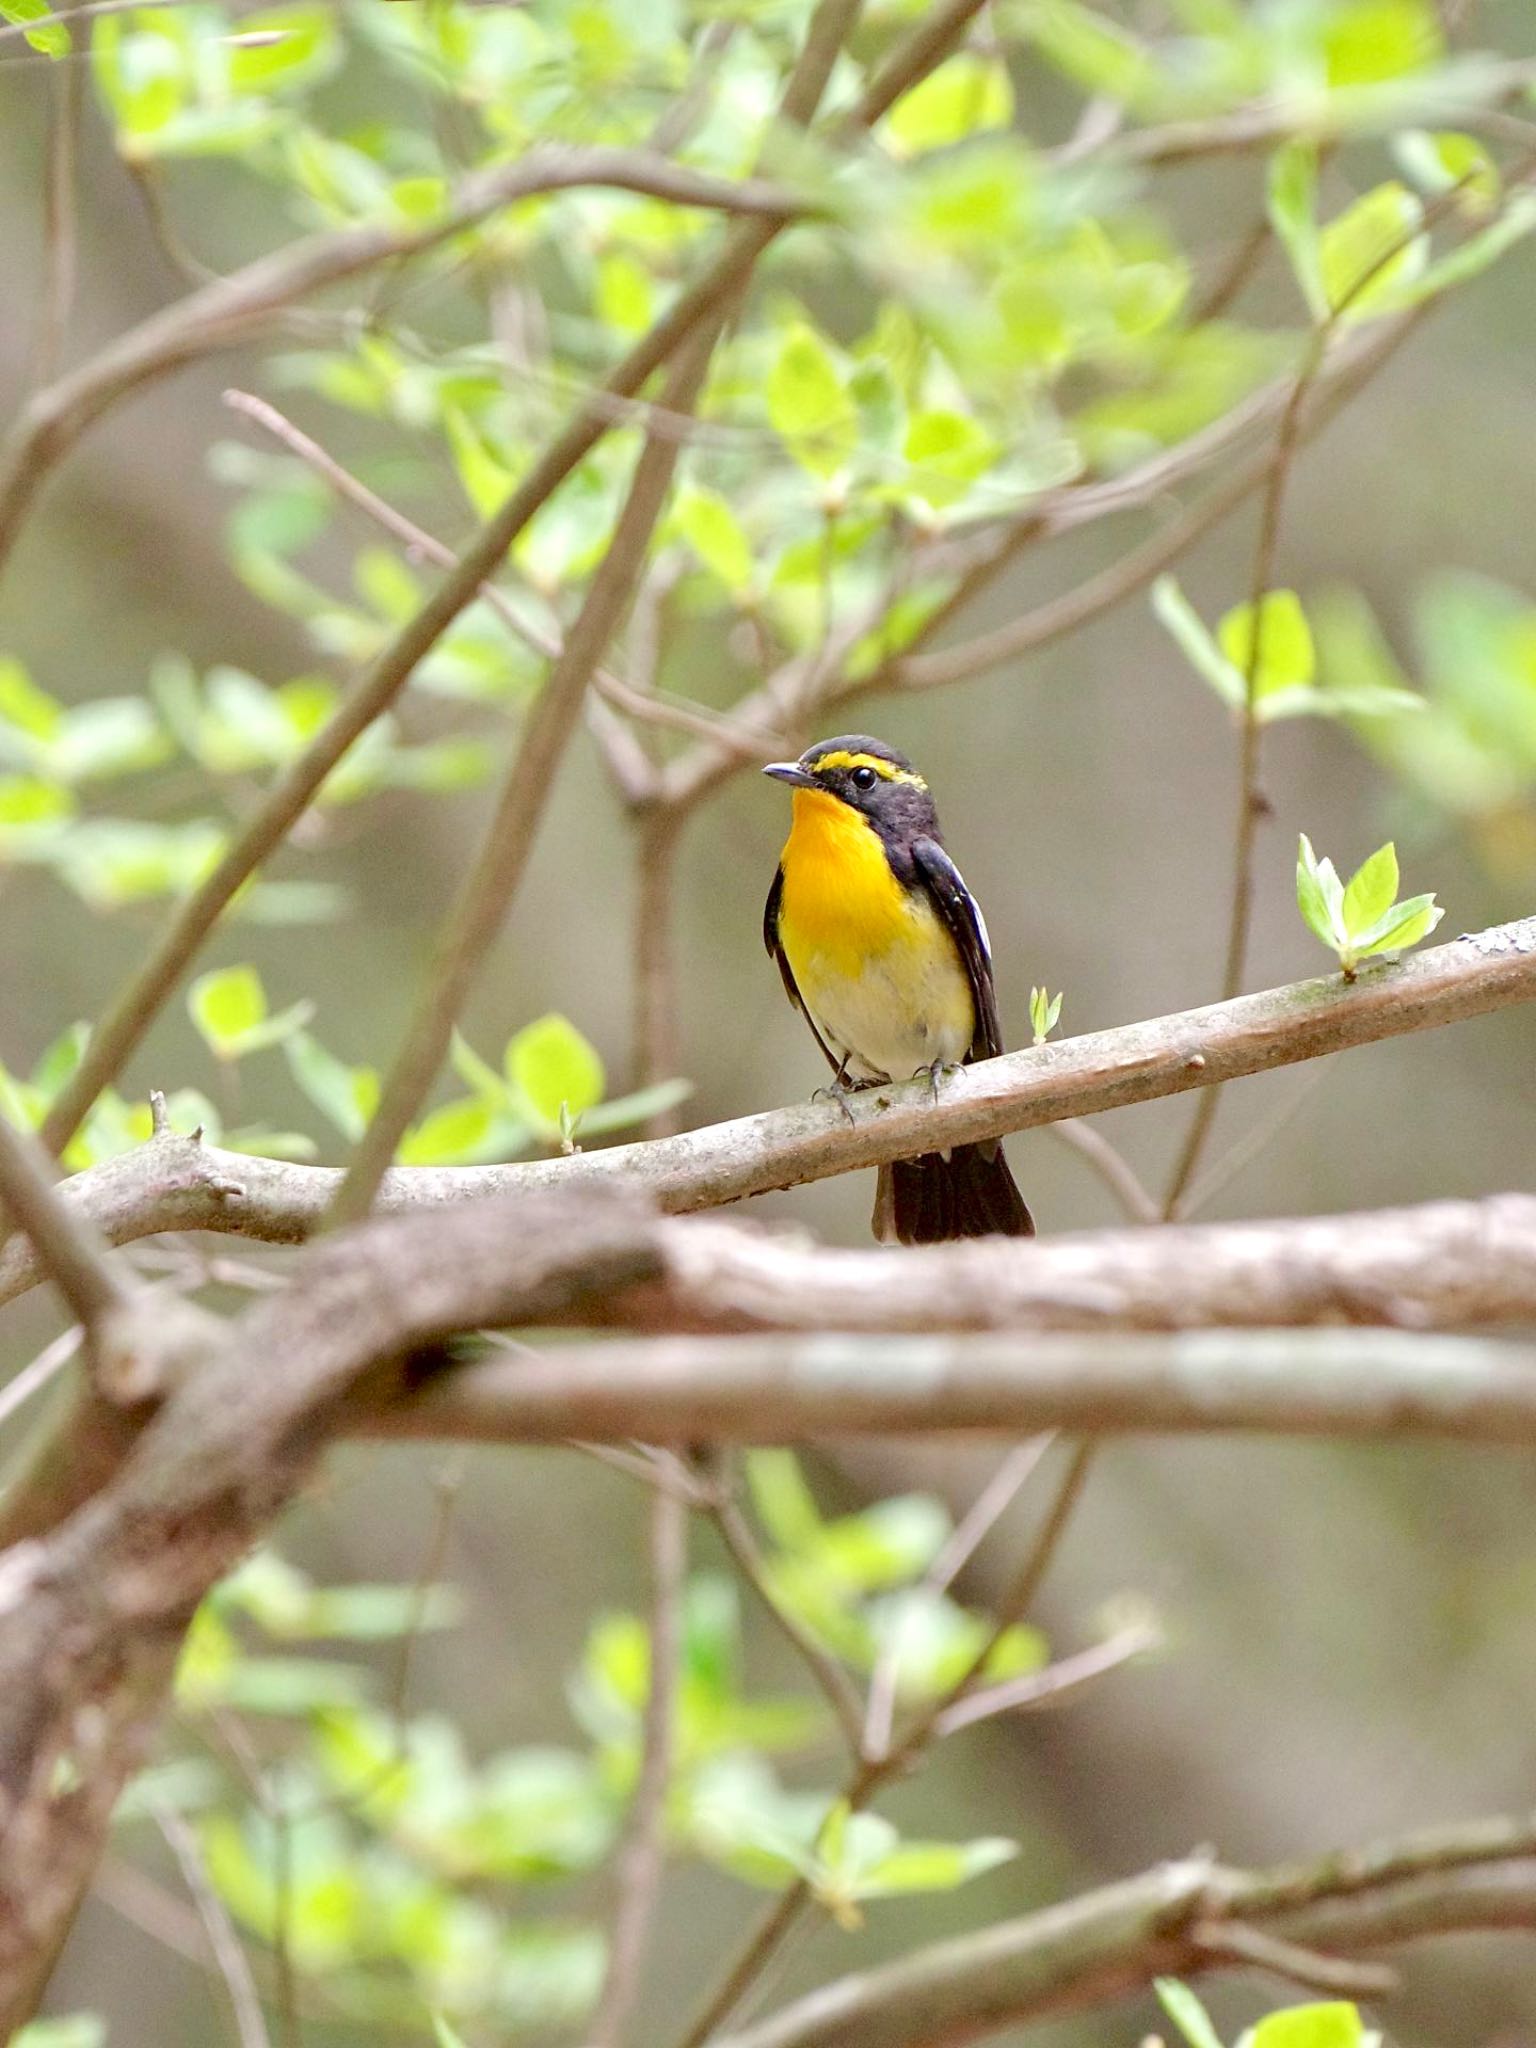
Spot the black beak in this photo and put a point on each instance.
(792, 773)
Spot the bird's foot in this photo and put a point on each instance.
(841, 1086)
(935, 1072)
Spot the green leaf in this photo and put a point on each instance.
(1371, 891)
(1449, 162)
(1176, 612)
(1367, 41)
(1309, 2026)
(1475, 255)
(1287, 659)
(142, 68)
(785, 1505)
(1044, 1012)
(626, 293)
(946, 452)
(449, 1136)
(1401, 927)
(445, 2035)
(78, 2030)
(554, 1069)
(347, 1095)
(963, 98)
(808, 404)
(225, 1005)
(1187, 2013)
(1319, 896)
(26, 707)
(1098, 54)
(934, 1866)
(1292, 195)
(1372, 250)
(706, 521)
(53, 41)
(282, 48)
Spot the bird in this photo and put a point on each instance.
(884, 951)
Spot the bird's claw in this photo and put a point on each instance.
(935, 1070)
(838, 1092)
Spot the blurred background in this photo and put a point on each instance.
(1351, 1633)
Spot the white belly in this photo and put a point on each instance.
(901, 1011)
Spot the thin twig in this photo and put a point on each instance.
(1241, 1154)
(1112, 1167)
(641, 1859)
(224, 1945)
(63, 1239)
(874, 1772)
(1047, 1688)
(482, 904)
(47, 1366)
(970, 1532)
(681, 716)
(1251, 805)
(60, 241)
(830, 1677)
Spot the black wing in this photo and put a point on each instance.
(957, 906)
(776, 951)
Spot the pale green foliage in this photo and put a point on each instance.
(1004, 322)
(1330, 2025)
(857, 1583)
(1470, 753)
(1044, 1014)
(550, 1089)
(421, 1880)
(1363, 916)
(1273, 660)
(52, 39)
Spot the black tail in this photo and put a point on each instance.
(967, 1192)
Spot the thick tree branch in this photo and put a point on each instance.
(91, 1618)
(782, 1389)
(64, 1237)
(176, 1184)
(1111, 1943)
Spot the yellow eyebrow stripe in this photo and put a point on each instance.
(887, 770)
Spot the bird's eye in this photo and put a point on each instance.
(864, 778)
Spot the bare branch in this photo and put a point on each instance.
(1367, 1383)
(60, 250)
(224, 1944)
(62, 1237)
(1181, 1919)
(1049, 1687)
(642, 1858)
(91, 1618)
(175, 1184)
(829, 1675)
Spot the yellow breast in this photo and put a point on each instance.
(872, 960)
(841, 901)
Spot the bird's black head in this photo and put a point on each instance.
(868, 776)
